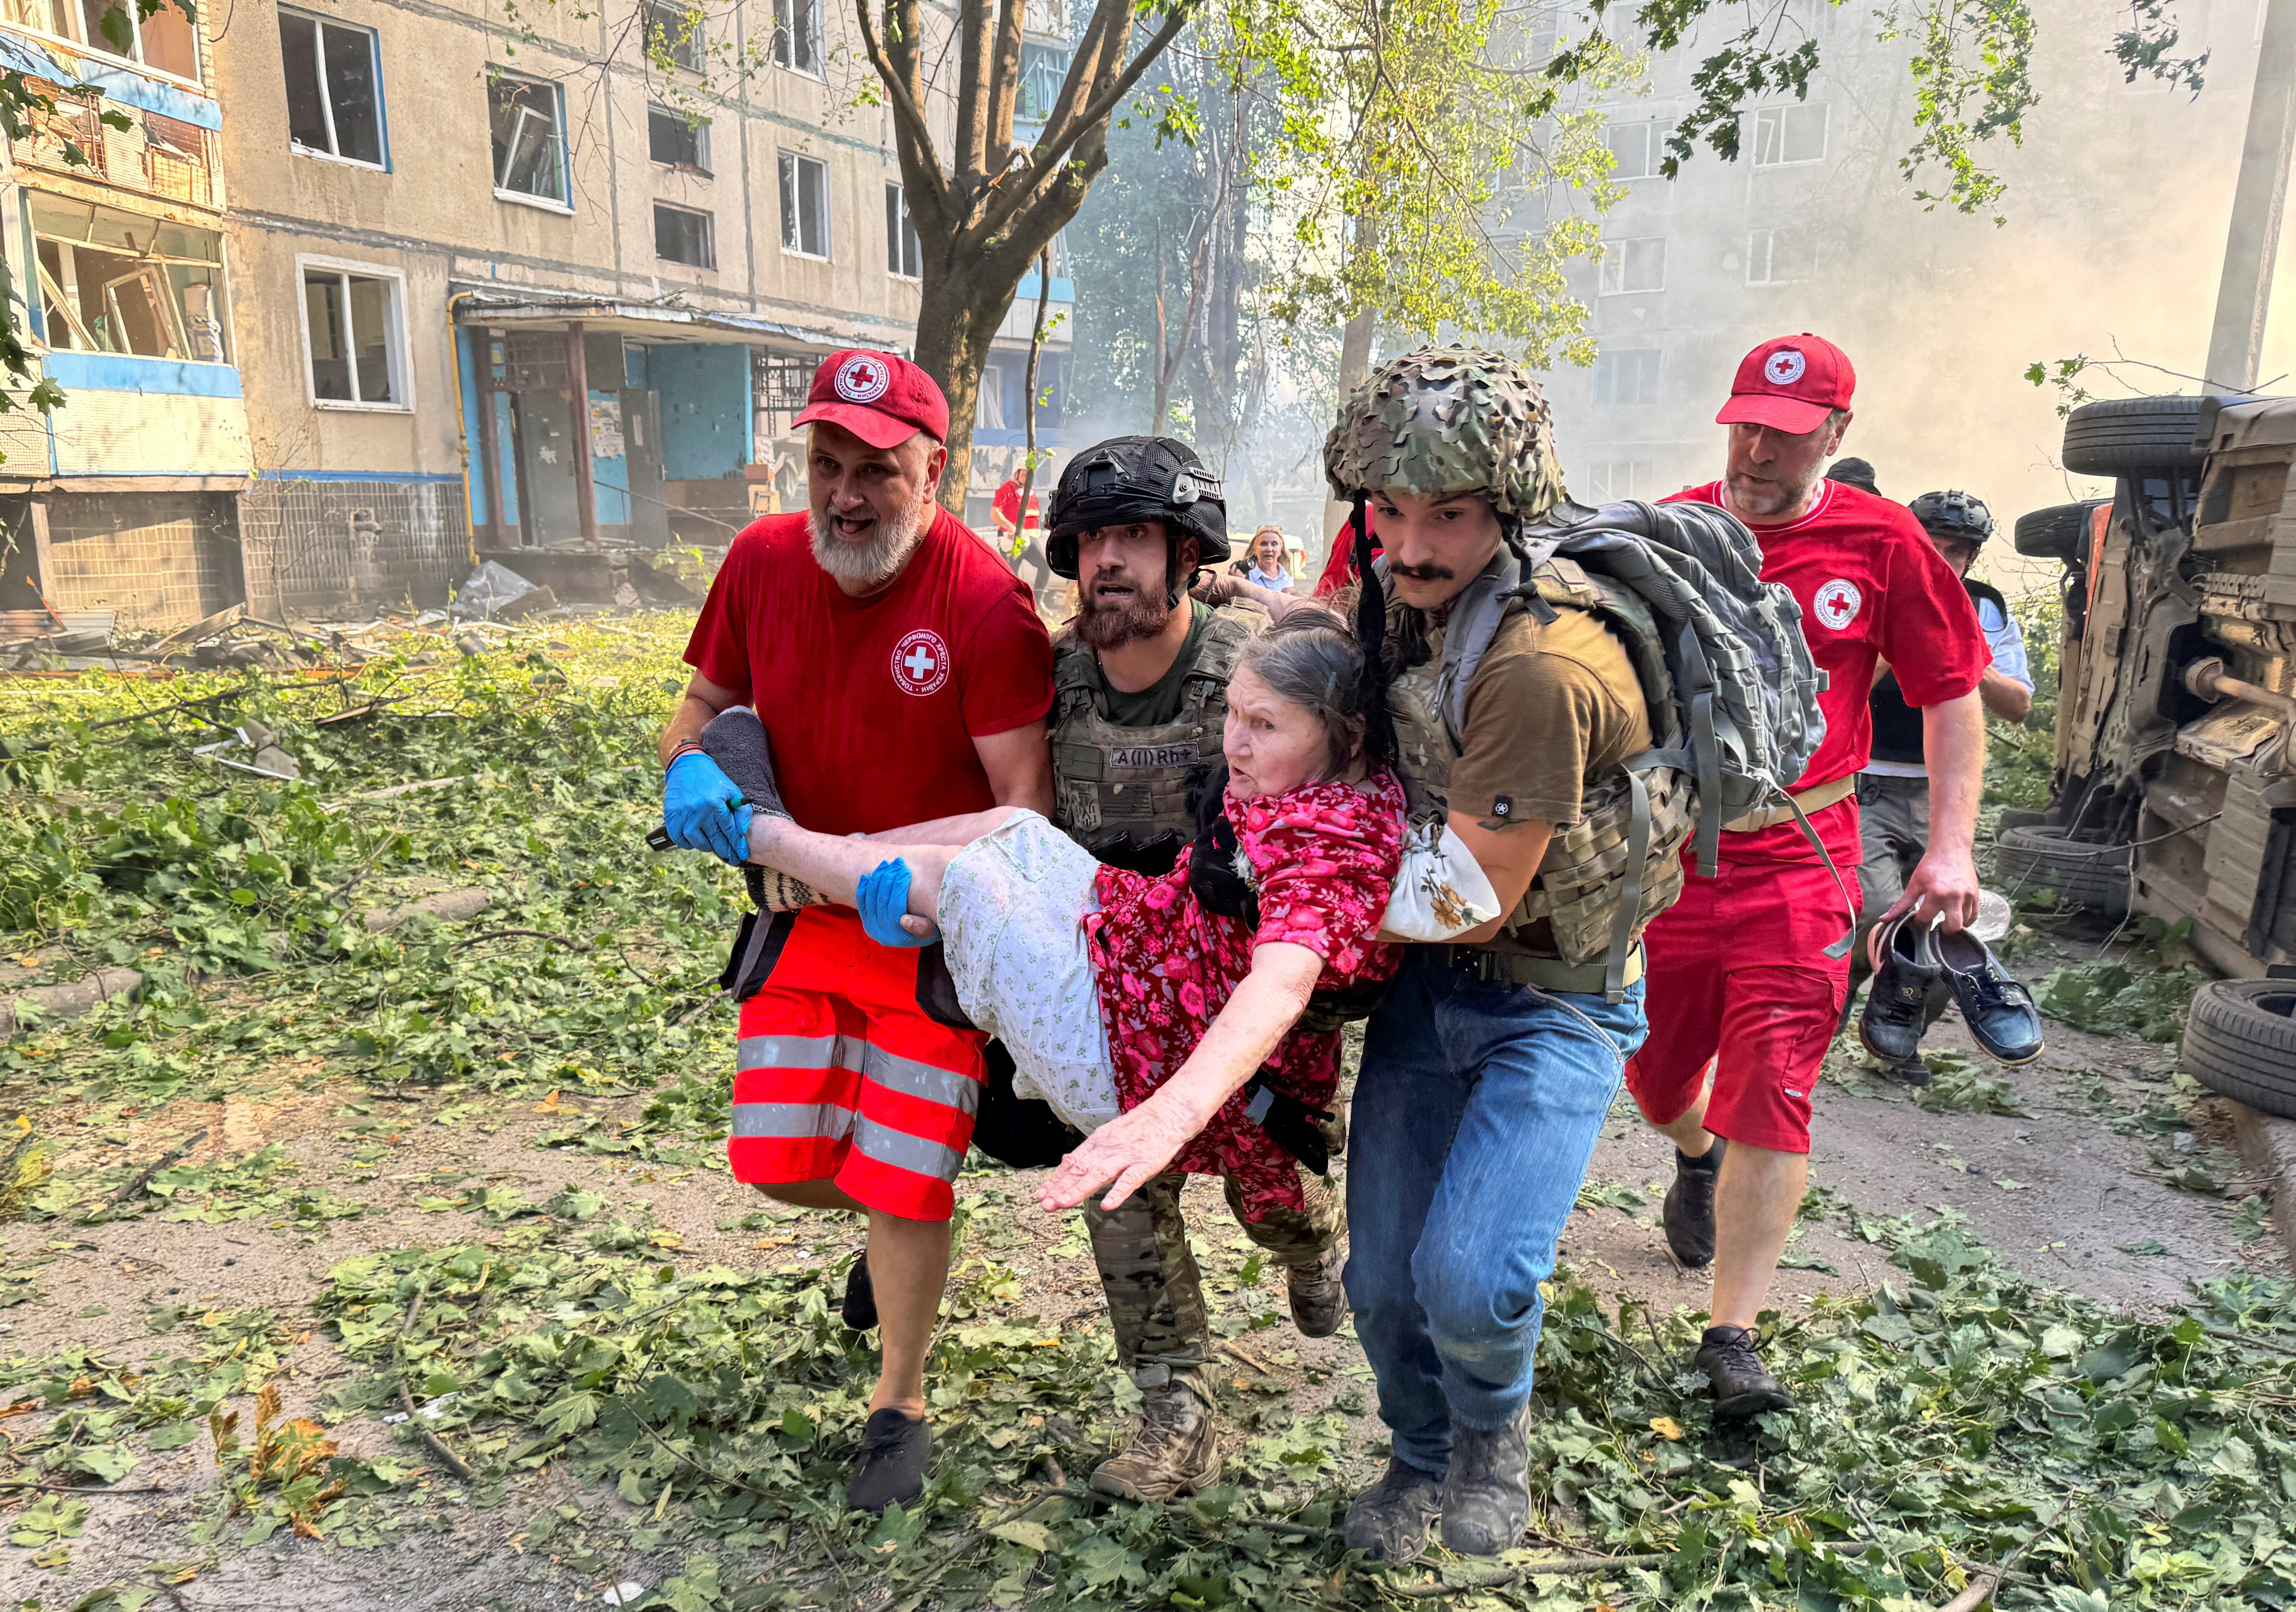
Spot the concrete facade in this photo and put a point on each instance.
(121, 500)
(2113, 232)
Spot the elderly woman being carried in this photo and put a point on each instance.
(1162, 1015)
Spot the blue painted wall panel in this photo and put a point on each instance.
(468, 345)
(124, 372)
(705, 408)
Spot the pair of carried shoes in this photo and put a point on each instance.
(1999, 1011)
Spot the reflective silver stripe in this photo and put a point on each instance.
(826, 1120)
(904, 1151)
(798, 1052)
(911, 1078)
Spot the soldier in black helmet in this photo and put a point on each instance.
(1140, 699)
(1893, 789)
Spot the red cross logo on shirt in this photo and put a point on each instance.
(921, 662)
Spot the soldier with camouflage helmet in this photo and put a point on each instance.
(1490, 1066)
(1140, 699)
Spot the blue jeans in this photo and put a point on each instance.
(1475, 1114)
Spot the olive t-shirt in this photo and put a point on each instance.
(1551, 705)
(1159, 702)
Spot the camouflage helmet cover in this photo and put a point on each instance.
(1445, 420)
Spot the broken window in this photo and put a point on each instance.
(119, 282)
(673, 34)
(1789, 133)
(1624, 377)
(905, 254)
(166, 40)
(352, 321)
(1780, 256)
(529, 139)
(675, 142)
(1638, 264)
(804, 206)
(1636, 150)
(1043, 69)
(682, 235)
(797, 35)
(334, 107)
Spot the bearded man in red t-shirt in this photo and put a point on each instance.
(902, 674)
(1748, 971)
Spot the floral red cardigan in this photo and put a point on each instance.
(1321, 858)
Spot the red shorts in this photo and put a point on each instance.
(1737, 977)
(845, 1075)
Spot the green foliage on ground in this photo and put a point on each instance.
(121, 846)
(2144, 990)
(2020, 758)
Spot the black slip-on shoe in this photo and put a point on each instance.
(735, 740)
(1743, 1387)
(895, 1450)
(1999, 1011)
(1891, 1027)
(1688, 1211)
(860, 1306)
(1388, 1522)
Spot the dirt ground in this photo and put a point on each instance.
(2054, 1188)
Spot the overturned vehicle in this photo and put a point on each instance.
(2174, 792)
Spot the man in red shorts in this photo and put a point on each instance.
(902, 674)
(1748, 971)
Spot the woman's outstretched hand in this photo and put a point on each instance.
(1130, 1150)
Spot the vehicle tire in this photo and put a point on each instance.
(2026, 859)
(2126, 434)
(2240, 1042)
(2018, 817)
(2060, 532)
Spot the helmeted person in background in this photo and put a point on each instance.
(1749, 970)
(902, 674)
(1140, 679)
(1893, 791)
(1490, 1067)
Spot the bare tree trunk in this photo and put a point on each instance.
(1029, 407)
(1163, 343)
(1354, 364)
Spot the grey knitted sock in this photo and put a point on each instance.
(735, 740)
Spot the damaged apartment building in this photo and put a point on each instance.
(373, 288)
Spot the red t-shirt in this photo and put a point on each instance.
(1871, 588)
(1007, 504)
(873, 704)
(1322, 859)
(1339, 565)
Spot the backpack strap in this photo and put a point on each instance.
(1474, 623)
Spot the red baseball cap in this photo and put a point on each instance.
(1791, 383)
(883, 399)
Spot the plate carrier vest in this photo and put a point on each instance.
(1110, 780)
(1619, 865)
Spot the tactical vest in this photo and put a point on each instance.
(1580, 885)
(1897, 725)
(1109, 780)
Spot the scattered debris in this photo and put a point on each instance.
(448, 906)
(66, 1001)
(491, 591)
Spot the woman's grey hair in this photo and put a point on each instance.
(1312, 659)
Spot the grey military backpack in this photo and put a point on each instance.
(1735, 705)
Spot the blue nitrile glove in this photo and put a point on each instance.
(883, 898)
(702, 809)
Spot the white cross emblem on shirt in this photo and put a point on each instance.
(920, 662)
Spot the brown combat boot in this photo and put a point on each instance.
(1174, 1450)
(1319, 1304)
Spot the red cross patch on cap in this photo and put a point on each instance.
(1791, 384)
(881, 398)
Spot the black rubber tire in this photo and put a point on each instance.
(2122, 434)
(2240, 1042)
(2060, 532)
(2027, 860)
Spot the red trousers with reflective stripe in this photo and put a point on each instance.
(1738, 981)
(842, 1076)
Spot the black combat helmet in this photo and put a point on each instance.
(1128, 479)
(1953, 515)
